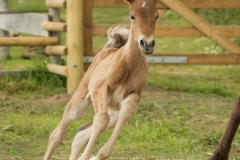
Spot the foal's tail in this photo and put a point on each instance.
(117, 37)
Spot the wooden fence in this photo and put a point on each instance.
(49, 29)
(81, 30)
(199, 28)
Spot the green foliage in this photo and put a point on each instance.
(220, 16)
(27, 5)
(36, 77)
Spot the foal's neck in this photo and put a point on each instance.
(131, 52)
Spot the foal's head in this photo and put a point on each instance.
(143, 15)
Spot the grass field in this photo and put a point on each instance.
(181, 116)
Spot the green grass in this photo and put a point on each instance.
(182, 114)
(219, 80)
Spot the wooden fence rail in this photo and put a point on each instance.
(231, 4)
(28, 41)
(99, 30)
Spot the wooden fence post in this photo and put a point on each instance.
(4, 51)
(75, 63)
(55, 17)
(88, 29)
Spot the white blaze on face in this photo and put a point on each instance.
(143, 4)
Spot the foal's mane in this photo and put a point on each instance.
(117, 37)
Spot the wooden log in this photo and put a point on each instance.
(190, 59)
(57, 69)
(54, 26)
(55, 17)
(176, 31)
(28, 41)
(190, 31)
(202, 25)
(87, 28)
(74, 44)
(201, 59)
(23, 11)
(190, 3)
(56, 50)
(4, 51)
(56, 3)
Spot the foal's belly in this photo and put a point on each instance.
(115, 98)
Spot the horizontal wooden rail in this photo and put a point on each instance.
(56, 50)
(188, 59)
(24, 11)
(200, 59)
(176, 31)
(54, 26)
(56, 3)
(190, 31)
(28, 41)
(189, 3)
(57, 69)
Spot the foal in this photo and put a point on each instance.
(113, 84)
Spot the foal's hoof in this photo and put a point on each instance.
(93, 158)
(96, 158)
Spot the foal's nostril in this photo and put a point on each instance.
(143, 43)
(152, 43)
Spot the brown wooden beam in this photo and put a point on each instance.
(57, 69)
(87, 27)
(75, 45)
(204, 59)
(54, 26)
(192, 59)
(189, 3)
(56, 3)
(28, 41)
(56, 50)
(176, 31)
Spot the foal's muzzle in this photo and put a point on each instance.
(147, 47)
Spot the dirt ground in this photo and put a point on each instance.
(155, 95)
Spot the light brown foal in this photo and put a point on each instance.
(113, 84)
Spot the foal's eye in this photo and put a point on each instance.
(157, 17)
(132, 17)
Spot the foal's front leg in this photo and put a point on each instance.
(128, 110)
(101, 119)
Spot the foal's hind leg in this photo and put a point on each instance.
(223, 148)
(74, 109)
